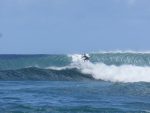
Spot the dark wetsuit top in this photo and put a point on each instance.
(85, 58)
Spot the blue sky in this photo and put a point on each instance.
(73, 26)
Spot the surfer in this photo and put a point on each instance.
(86, 57)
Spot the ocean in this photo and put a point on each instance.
(111, 82)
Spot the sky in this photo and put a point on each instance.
(73, 26)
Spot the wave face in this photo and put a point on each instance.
(107, 66)
(8, 62)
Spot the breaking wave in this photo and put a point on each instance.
(108, 66)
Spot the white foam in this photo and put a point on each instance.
(60, 68)
(125, 73)
(76, 57)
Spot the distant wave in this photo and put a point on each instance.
(122, 51)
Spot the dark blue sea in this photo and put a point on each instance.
(111, 82)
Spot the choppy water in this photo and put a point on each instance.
(111, 82)
(74, 97)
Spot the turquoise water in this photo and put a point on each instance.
(74, 97)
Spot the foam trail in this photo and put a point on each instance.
(124, 73)
(60, 68)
